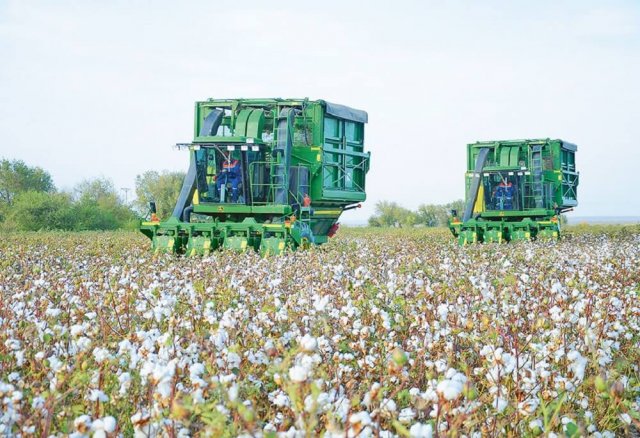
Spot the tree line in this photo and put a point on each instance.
(391, 214)
(30, 201)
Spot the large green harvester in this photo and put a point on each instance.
(267, 174)
(516, 190)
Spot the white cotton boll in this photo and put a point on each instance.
(449, 389)
(106, 424)
(53, 312)
(430, 394)
(5, 389)
(164, 389)
(528, 407)
(298, 374)
(578, 365)
(499, 404)
(82, 424)
(320, 303)
(419, 430)
(233, 392)
(227, 378)
(388, 407)
(97, 395)
(280, 399)
(12, 344)
(486, 350)
(76, 330)
(441, 365)
(101, 354)
(315, 405)
(83, 343)
(363, 418)
(406, 415)
(37, 403)
(535, 424)
(55, 364)
(443, 311)
(196, 369)
(233, 360)
(309, 343)
(125, 382)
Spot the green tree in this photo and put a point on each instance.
(16, 177)
(162, 188)
(428, 215)
(34, 211)
(391, 214)
(98, 207)
(432, 215)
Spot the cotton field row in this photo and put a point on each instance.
(375, 334)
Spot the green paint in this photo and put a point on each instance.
(327, 151)
(542, 180)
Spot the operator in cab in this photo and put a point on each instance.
(230, 173)
(504, 195)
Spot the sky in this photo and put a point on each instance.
(106, 88)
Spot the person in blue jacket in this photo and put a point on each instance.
(504, 195)
(230, 173)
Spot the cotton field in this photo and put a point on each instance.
(376, 334)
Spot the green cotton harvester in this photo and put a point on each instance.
(516, 190)
(267, 174)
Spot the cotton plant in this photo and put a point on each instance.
(395, 334)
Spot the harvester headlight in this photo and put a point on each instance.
(231, 148)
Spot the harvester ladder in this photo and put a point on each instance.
(536, 171)
(305, 214)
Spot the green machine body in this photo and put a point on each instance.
(268, 174)
(516, 190)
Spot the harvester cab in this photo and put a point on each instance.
(516, 189)
(267, 174)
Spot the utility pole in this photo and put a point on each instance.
(126, 193)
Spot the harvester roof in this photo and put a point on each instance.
(334, 109)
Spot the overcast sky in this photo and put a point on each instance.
(92, 88)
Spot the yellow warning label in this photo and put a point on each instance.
(479, 205)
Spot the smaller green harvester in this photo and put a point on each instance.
(266, 174)
(516, 190)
